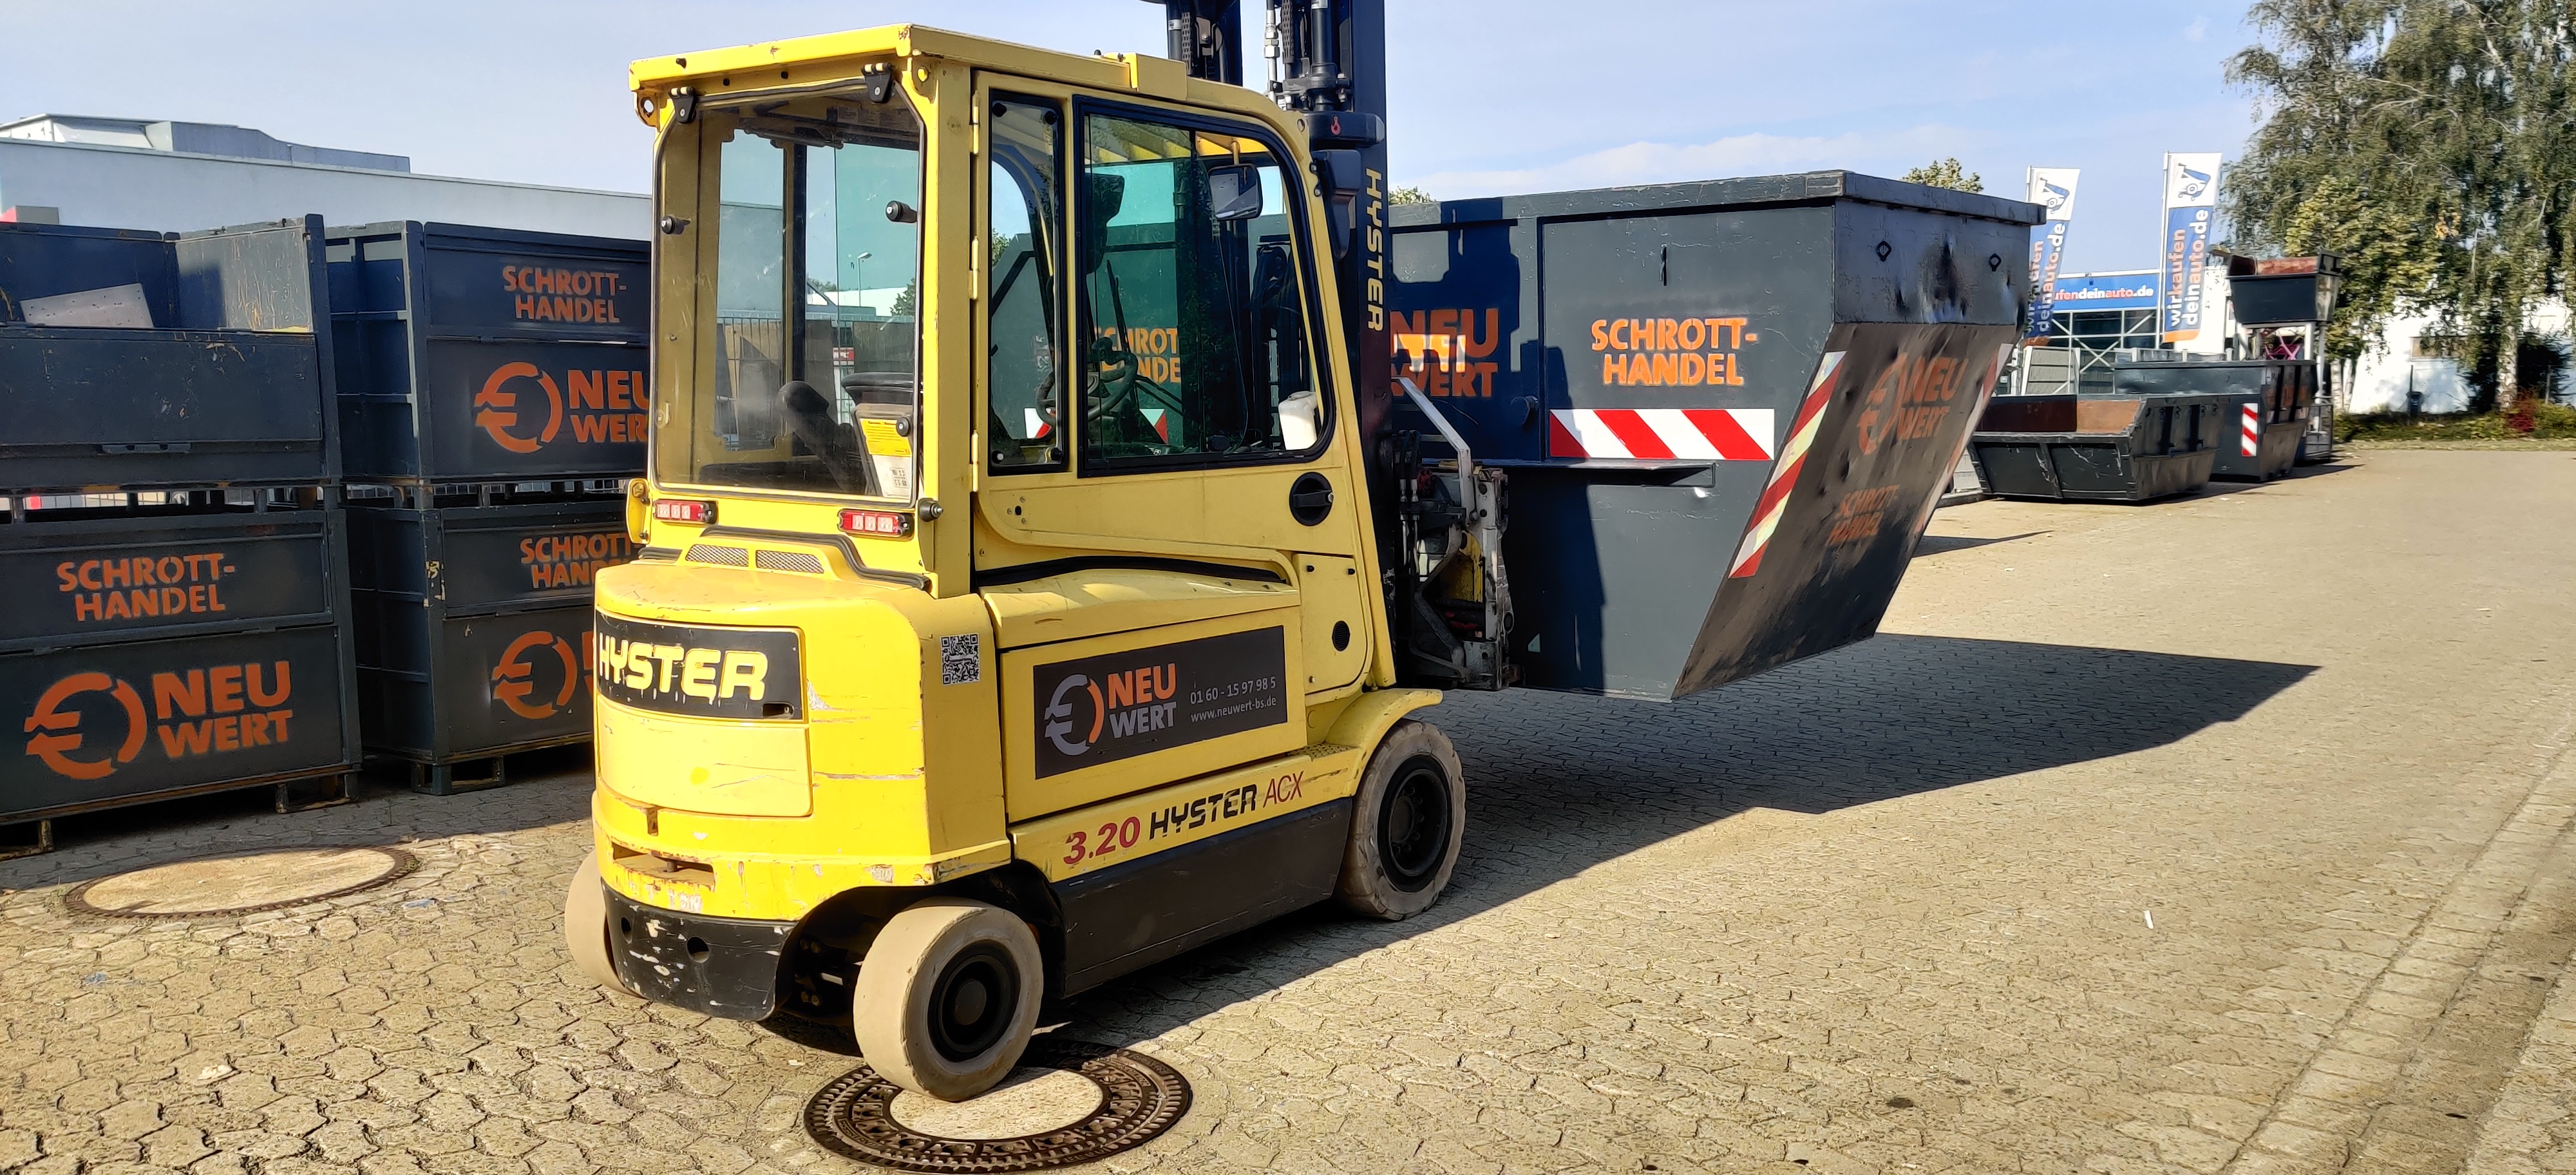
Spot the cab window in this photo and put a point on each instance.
(1194, 331)
(1024, 356)
(818, 247)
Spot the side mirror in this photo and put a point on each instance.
(1106, 195)
(1344, 179)
(1233, 192)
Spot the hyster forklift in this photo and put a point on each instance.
(1043, 566)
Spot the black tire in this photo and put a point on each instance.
(948, 997)
(1407, 822)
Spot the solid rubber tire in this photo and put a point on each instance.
(1366, 887)
(890, 1007)
(585, 925)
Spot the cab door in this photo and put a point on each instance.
(1170, 536)
(1179, 434)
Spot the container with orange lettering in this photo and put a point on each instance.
(474, 354)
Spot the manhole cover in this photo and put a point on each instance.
(240, 883)
(1097, 1102)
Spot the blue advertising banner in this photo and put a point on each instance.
(2052, 188)
(2191, 209)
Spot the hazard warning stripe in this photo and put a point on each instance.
(2249, 440)
(1784, 476)
(1661, 434)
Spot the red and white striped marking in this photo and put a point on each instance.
(1784, 476)
(1661, 434)
(1038, 428)
(2249, 439)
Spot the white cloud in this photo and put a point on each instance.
(1884, 153)
(2197, 29)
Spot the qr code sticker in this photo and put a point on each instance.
(961, 659)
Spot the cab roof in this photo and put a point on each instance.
(805, 61)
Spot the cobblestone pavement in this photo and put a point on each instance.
(2223, 835)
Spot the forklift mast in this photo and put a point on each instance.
(1440, 519)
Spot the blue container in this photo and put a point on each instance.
(473, 627)
(113, 724)
(481, 354)
(229, 385)
(107, 577)
(50, 260)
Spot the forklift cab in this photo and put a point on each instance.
(1007, 612)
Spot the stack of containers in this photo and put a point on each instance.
(493, 403)
(168, 454)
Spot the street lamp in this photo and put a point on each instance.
(858, 272)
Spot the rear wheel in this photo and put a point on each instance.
(948, 996)
(1406, 825)
(585, 926)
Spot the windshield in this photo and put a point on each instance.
(817, 371)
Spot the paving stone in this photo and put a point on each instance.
(2312, 727)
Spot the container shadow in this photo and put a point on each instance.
(1940, 544)
(1558, 784)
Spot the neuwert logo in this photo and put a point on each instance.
(1134, 703)
(496, 396)
(214, 710)
(58, 733)
(1911, 398)
(514, 680)
(603, 407)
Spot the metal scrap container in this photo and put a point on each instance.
(1726, 409)
(2267, 406)
(482, 354)
(474, 628)
(214, 374)
(2098, 448)
(120, 575)
(164, 653)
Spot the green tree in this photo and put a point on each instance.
(2429, 143)
(1946, 173)
(1409, 195)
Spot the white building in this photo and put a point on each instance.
(180, 176)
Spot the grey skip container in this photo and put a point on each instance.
(2098, 448)
(2266, 412)
(1726, 409)
(472, 354)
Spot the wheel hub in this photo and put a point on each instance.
(971, 1006)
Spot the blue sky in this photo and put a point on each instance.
(1488, 98)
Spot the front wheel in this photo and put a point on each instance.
(1406, 825)
(585, 926)
(947, 997)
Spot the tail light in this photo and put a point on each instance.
(880, 524)
(688, 510)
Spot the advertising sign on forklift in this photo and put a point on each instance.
(1118, 705)
(1885, 418)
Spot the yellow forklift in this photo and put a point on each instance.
(1026, 592)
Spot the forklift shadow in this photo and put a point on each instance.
(1559, 783)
